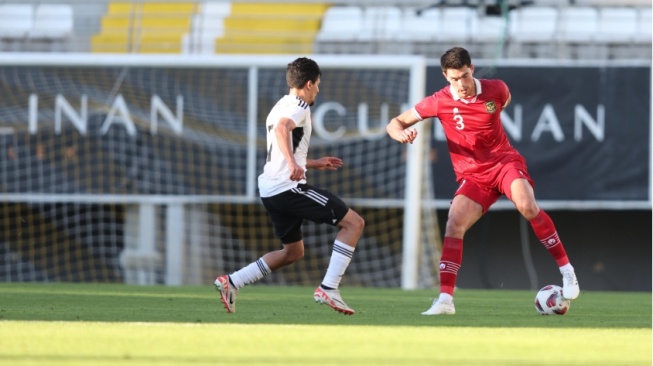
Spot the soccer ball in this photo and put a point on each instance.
(549, 301)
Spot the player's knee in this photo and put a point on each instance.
(456, 227)
(528, 208)
(294, 255)
(353, 221)
(359, 223)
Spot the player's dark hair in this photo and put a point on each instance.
(455, 58)
(300, 71)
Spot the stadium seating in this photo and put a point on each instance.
(271, 28)
(340, 24)
(533, 30)
(616, 24)
(207, 26)
(458, 24)
(16, 21)
(380, 23)
(577, 31)
(420, 25)
(52, 22)
(643, 34)
(148, 27)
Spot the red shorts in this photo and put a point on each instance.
(487, 194)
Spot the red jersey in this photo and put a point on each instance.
(478, 145)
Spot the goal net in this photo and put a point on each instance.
(142, 169)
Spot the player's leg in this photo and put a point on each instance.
(467, 207)
(521, 193)
(328, 208)
(287, 228)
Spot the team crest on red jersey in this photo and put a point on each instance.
(490, 107)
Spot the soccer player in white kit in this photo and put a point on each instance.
(289, 200)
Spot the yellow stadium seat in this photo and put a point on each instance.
(180, 9)
(271, 28)
(155, 27)
(272, 25)
(283, 9)
(120, 8)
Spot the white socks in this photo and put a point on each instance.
(250, 273)
(566, 267)
(338, 263)
(446, 298)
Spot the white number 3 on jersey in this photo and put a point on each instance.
(458, 118)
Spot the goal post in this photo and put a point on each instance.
(142, 168)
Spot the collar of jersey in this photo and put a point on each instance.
(298, 98)
(454, 93)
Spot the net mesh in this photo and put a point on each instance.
(84, 147)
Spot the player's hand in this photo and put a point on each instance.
(404, 136)
(297, 173)
(327, 162)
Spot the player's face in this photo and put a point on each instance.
(462, 80)
(312, 89)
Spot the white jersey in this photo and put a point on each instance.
(276, 175)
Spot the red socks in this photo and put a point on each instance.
(548, 236)
(452, 257)
(452, 251)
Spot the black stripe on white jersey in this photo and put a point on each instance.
(301, 102)
(297, 136)
(322, 200)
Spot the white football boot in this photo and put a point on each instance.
(570, 289)
(227, 293)
(440, 307)
(333, 299)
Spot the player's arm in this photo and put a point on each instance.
(282, 132)
(399, 127)
(507, 101)
(327, 162)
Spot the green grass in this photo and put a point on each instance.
(87, 324)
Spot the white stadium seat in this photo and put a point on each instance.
(341, 23)
(533, 24)
(206, 27)
(15, 20)
(52, 22)
(422, 27)
(380, 23)
(578, 24)
(643, 34)
(616, 24)
(458, 23)
(490, 28)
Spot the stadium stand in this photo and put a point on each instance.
(532, 30)
(643, 34)
(15, 24)
(207, 26)
(568, 29)
(271, 28)
(577, 31)
(340, 25)
(149, 27)
(53, 25)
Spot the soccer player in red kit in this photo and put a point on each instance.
(486, 167)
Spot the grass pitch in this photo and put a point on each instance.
(86, 324)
